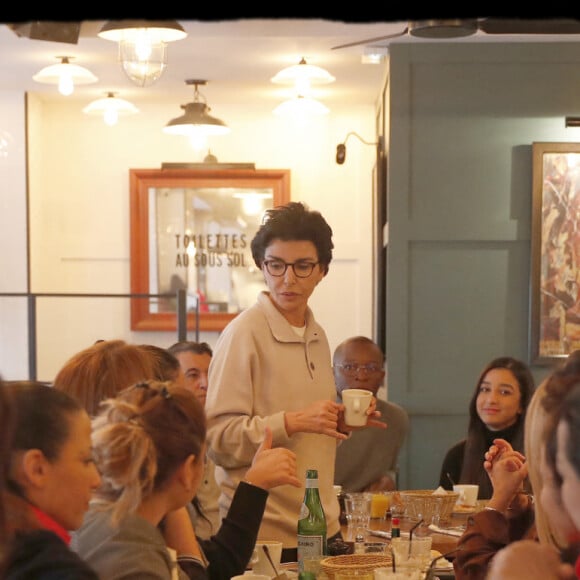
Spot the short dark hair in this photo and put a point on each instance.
(190, 346)
(166, 365)
(362, 340)
(294, 221)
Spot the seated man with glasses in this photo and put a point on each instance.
(368, 460)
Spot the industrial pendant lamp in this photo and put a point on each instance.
(196, 122)
(110, 108)
(65, 75)
(142, 46)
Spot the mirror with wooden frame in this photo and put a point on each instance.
(191, 229)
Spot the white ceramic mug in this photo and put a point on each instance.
(467, 494)
(356, 402)
(260, 562)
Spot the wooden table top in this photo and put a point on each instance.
(443, 543)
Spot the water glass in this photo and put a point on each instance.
(388, 574)
(357, 507)
(414, 554)
(354, 575)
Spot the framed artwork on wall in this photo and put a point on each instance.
(555, 268)
(191, 230)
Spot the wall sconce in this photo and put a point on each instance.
(65, 75)
(110, 108)
(301, 106)
(142, 46)
(196, 123)
(341, 147)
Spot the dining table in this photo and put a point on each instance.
(444, 536)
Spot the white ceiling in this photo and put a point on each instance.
(237, 57)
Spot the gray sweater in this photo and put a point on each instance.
(135, 550)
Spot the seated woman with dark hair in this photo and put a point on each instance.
(494, 538)
(47, 477)
(496, 411)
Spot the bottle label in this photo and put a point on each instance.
(304, 512)
(310, 483)
(309, 547)
(395, 529)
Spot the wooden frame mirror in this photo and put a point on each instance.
(191, 229)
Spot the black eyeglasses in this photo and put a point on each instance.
(352, 368)
(279, 267)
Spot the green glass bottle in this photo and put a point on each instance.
(311, 522)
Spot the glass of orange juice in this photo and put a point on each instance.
(381, 502)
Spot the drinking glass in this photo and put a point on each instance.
(358, 513)
(414, 554)
(380, 504)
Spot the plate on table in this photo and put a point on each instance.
(470, 509)
(443, 563)
(443, 568)
(464, 509)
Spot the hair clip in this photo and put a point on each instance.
(165, 393)
(141, 385)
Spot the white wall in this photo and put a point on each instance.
(13, 262)
(79, 213)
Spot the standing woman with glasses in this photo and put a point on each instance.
(272, 367)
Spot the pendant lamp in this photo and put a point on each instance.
(65, 75)
(302, 76)
(301, 106)
(110, 108)
(142, 46)
(196, 119)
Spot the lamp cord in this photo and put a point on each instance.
(341, 147)
(359, 137)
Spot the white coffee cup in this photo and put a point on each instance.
(356, 402)
(260, 562)
(467, 494)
